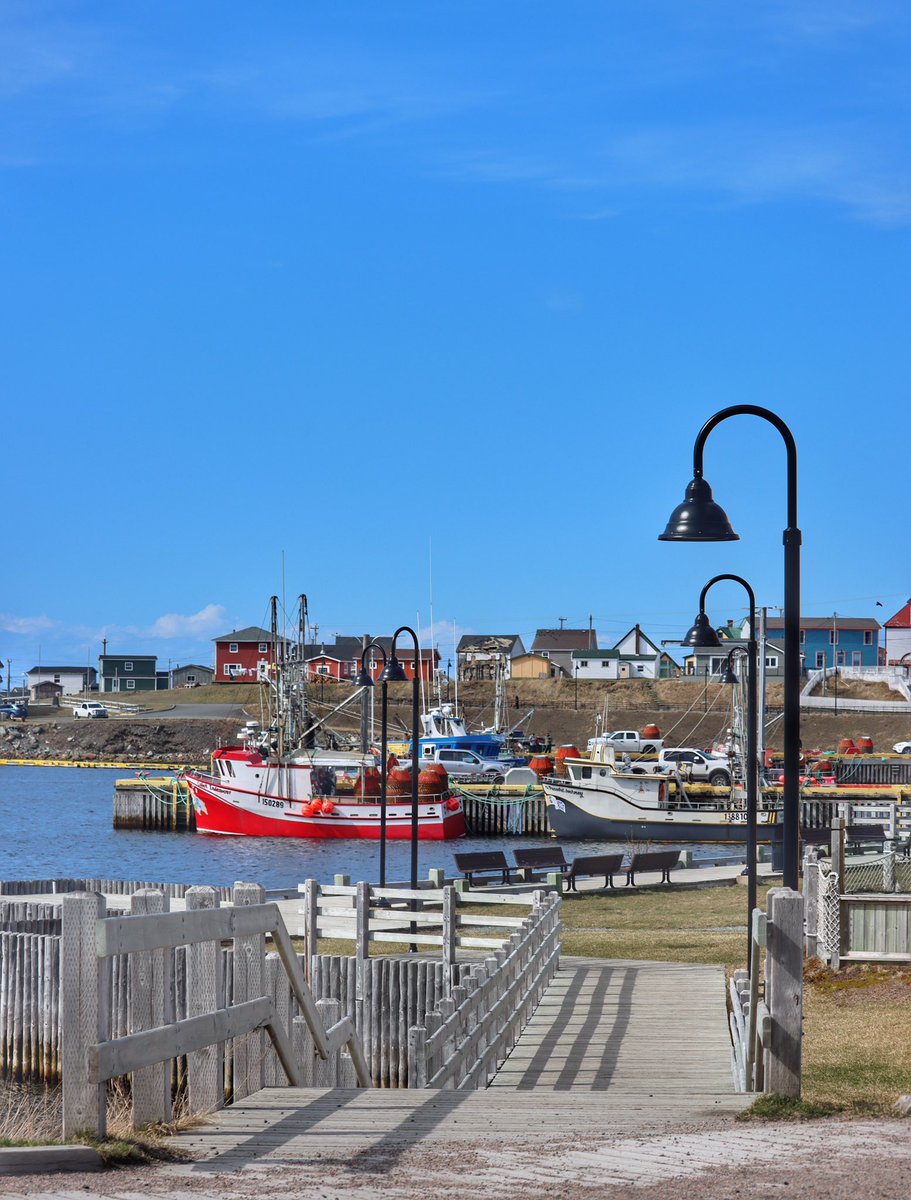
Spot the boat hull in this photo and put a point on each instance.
(233, 813)
(583, 813)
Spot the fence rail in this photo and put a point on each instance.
(766, 1001)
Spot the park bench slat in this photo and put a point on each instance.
(652, 860)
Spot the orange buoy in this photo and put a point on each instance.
(542, 765)
(651, 731)
(865, 745)
(563, 753)
(398, 781)
(328, 807)
(846, 746)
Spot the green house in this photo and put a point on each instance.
(128, 672)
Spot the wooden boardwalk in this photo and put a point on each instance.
(615, 1048)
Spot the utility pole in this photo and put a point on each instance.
(561, 620)
(590, 642)
(365, 698)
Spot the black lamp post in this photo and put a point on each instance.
(365, 679)
(394, 672)
(700, 519)
(702, 634)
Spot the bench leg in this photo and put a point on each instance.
(630, 881)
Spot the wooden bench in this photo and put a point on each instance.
(652, 860)
(859, 836)
(484, 862)
(541, 858)
(595, 864)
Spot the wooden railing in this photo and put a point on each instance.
(462, 1043)
(767, 1004)
(426, 1023)
(91, 941)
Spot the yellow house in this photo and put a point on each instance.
(532, 666)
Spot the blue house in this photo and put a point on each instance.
(834, 641)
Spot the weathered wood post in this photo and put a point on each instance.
(840, 870)
(249, 983)
(85, 1013)
(205, 994)
(450, 930)
(151, 1007)
(811, 901)
(310, 911)
(784, 990)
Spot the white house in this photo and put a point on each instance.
(898, 637)
(635, 656)
(73, 680)
(480, 655)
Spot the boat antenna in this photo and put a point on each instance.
(419, 666)
(436, 673)
(455, 659)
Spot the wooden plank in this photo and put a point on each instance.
(150, 1008)
(84, 1014)
(785, 990)
(205, 993)
(125, 935)
(108, 1060)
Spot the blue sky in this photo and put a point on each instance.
(344, 297)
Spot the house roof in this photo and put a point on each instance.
(827, 623)
(194, 667)
(565, 639)
(902, 619)
(487, 643)
(103, 658)
(252, 633)
(597, 654)
(61, 670)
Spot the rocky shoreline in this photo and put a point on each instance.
(145, 741)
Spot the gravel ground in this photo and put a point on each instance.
(832, 1159)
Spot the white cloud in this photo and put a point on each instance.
(201, 624)
(26, 625)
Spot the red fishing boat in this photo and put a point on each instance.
(313, 794)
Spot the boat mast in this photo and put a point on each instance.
(277, 686)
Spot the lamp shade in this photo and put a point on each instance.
(364, 678)
(701, 633)
(698, 518)
(728, 675)
(393, 672)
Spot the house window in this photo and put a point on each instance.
(545, 654)
(323, 670)
(605, 664)
(583, 662)
(771, 662)
(263, 647)
(191, 679)
(833, 637)
(868, 637)
(856, 657)
(56, 679)
(640, 668)
(820, 659)
(840, 658)
(131, 685)
(232, 647)
(128, 666)
(228, 668)
(803, 636)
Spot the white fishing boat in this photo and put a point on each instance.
(597, 799)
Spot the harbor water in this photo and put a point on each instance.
(56, 822)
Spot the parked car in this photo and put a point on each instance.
(902, 747)
(9, 708)
(90, 708)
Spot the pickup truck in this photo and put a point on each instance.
(627, 741)
(698, 766)
(463, 762)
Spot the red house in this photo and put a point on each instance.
(238, 654)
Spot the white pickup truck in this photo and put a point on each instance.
(627, 741)
(695, 766)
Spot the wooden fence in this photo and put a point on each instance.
(91, 1053)
(858, 909)
(767, 1000)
